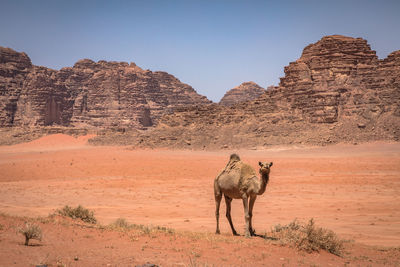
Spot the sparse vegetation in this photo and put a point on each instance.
(196, 245)
(307, 237)
(122, 224)
(146, 229)
(78, 213)
(31, 231)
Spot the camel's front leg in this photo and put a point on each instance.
(251, 205)
(246, 214)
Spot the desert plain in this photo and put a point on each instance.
(353, 190)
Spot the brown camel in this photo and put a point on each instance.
(239, 180)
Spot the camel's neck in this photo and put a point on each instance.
(263, 183)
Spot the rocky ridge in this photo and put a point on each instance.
(337, 91)
(245, 92)
(88, 95)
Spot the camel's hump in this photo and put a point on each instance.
(235, 157)
(246, 171)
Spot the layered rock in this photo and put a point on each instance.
(319, 82)
(247, 91)
(90, 94)
(14, 67)
(338, 90)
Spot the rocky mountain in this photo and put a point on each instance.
(337, 91)
(245, 92)
(89, 94)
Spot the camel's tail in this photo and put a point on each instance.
(217, 190)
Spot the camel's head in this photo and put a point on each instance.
(265, 167)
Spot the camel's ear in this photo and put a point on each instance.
(271, 164)
(260, 163)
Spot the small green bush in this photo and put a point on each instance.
(31, 231)
(78, 213)
(307, 237)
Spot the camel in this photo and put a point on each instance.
(238, 180)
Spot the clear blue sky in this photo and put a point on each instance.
(211, 45)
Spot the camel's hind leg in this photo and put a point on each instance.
(228, 202)
(218, 197)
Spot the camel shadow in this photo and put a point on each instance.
(266, 237)
(32, 245)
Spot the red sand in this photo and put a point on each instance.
(49, 143)
(353, 190)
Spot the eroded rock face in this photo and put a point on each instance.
(14, 67)
(247, 91)
(90, 94)
(331, 77)
(338, 90)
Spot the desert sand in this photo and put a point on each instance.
(353, 190)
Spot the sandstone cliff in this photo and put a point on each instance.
(337, 91)
(245, 92)
(89, 94)
(14, 67)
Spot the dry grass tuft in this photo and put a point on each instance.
(145, 229)
(31, 231)
(307, 237)
(78, 213)
(122, 224)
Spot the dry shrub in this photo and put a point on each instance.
(307, 237)
(122, 224)
(78, 213)
(31, 231)
(152, 229)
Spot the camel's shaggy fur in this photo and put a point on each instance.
(239, 180)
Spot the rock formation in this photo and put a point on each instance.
(245, 92)
(14, 67)
(337, 91)
(90, 94)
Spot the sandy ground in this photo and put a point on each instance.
(351, 189)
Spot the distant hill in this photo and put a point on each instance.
(244, 92)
